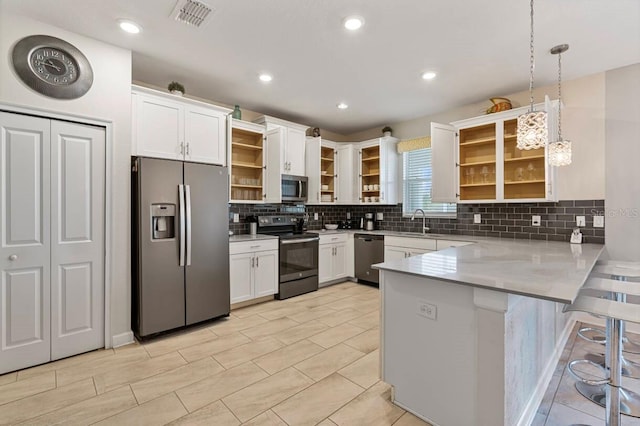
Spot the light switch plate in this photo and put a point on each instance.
(535, 220)
(580, 221)
(477, 218)
(236, 218)
(315, 216)
(598, 221)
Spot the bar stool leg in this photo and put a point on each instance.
(614, 351)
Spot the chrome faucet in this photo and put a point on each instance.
(425, 228)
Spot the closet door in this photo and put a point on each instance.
(77, 238)
(25, 241)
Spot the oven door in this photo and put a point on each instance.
(298, 258)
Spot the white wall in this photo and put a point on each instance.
(109, 99)
(582, 122)
(622, 153)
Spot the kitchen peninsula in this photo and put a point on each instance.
(471, 335)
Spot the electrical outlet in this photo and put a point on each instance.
(348, 215)
(427, 310)
(236, 218)
(536, 220)
(580, 221)
(315, 216)
(379, 216)
(477, 218)
(598, 221)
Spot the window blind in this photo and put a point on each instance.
(417, 185)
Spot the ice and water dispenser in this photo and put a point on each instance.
(163, 217)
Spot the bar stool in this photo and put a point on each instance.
(620, 271)
(602, 296)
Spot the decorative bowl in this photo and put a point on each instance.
(330, 226)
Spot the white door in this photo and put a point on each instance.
(159, 128)
(340, 261)
(347, 181)
(266, 273)
(204, 135)
(394, 253)
(77, 238)
(325, 263)
(444, 173)
(295, 151)
(25, 242)
(272, 162)
(241, 276)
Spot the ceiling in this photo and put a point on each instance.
(479, 50)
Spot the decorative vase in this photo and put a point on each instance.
(499, 104)
(236, 114)
(177, 93)
(386, 134)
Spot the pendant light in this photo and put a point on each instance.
(560, 150)
(532, 126)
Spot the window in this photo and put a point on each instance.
(416, 181)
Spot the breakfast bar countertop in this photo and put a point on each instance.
(541, 269)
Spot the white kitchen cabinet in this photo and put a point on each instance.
(402, 247)
(350, 256)
(292, 140)
(332, 262)
(378, 171)
(332, 171)
(165, 126)
(253, 267)
(477, 161)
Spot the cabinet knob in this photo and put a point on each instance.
(13, 257)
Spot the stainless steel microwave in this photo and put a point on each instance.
(294, 188)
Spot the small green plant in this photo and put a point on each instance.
(174, 85)
(387, 129)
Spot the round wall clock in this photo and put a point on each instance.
(52, 66)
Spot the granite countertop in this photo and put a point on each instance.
(249, 237)
(542, 269)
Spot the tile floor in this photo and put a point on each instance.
(308, 360)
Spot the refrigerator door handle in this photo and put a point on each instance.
(188, 208)
(182, 223)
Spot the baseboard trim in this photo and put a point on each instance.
(122, 339)
(531, 409)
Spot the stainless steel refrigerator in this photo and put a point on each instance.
(180, 244)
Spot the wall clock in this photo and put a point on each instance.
(52, 66)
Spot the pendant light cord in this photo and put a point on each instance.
(560, 97)
(531, 62)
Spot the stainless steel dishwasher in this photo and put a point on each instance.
(369, 251)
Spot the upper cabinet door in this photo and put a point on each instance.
(272, 152)
(205, 140)
(444, 182)
(295, 152)
(158, 127)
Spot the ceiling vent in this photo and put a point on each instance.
(191, 12)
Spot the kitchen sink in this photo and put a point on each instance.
(418, 234)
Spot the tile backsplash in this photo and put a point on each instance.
(512, 220)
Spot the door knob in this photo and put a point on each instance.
(13, 257)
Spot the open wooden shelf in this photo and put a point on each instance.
(246, 165)
(371, 159)
(471, 185)
(477, 163)
(235, 185)
(478, 141)
(521, 182)
(531, 157)
(370, 174)
(245, 146)
(326, 159)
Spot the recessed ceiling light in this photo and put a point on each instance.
(429, 75)
(129, 26)
(353, 23)
(265, 77)
(342, 105)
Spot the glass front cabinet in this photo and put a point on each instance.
(487, 166)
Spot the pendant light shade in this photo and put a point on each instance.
(532, 126)
(560, 150)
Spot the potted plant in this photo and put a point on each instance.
(386, 131)
(176, 88)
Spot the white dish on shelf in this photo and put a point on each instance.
(324, 187)
(330, 226)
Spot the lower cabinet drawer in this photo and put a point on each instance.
(252, 246)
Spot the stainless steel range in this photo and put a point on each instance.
(298, 265)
